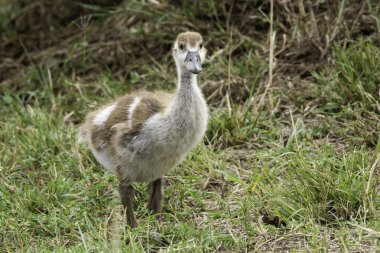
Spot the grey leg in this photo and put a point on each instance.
(127, 195)
(156, 195)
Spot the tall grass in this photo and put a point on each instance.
(355, 77)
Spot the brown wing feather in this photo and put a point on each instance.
(150, 104)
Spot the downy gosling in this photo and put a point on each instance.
(141, 136)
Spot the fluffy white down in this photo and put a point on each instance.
(164, 140)
(103, 158)
(103, 115)
(131, 109)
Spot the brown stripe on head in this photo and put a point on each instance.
(189, 38)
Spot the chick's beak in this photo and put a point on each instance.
(193, 62)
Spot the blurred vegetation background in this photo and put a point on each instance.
(291, 157)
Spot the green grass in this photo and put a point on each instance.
(304, 192)
(299, 175)
(356, 75)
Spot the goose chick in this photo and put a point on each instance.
(141, 136)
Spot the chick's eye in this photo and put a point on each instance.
(201, 46)
(181, 47)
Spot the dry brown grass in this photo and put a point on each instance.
(82, 41)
